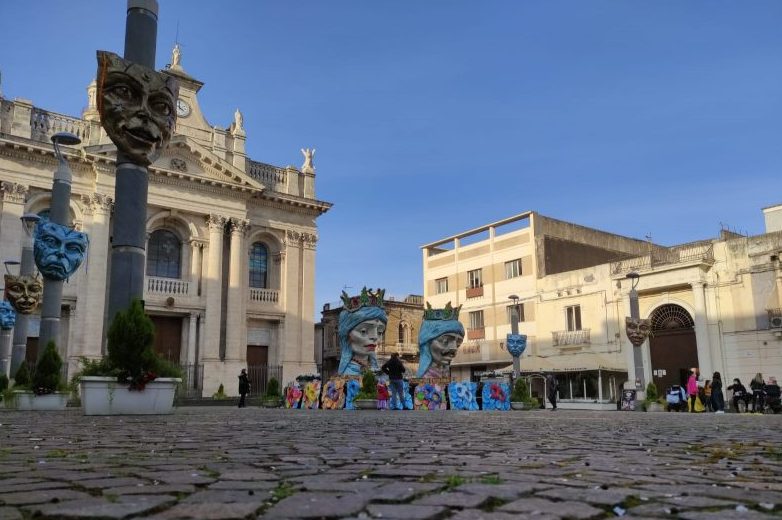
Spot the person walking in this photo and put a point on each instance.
(395, 369)
(552, 387)
(717, 398)
(692, 389)
(244, 387)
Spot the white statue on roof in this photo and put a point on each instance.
(307, 167)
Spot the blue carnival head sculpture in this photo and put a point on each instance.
(517, 344)
(58, 250)
(439, 339)
(7, 316)
(362, 323)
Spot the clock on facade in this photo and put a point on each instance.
(182, 108)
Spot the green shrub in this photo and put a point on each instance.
(651, 392)
(4, 382)
(22, 376)
(273, 388)
(130, 340)
(520, 393)
(47, 377)
(220, 394)
(368, 386)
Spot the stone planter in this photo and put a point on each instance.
(104, 396)
(271, 402)
(518, 405)
(24, 400)
(365, 404)
(655, 407)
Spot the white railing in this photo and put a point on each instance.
(167, 286)
(45, 124)
(264, 295)
(272, 177)
(570, 337)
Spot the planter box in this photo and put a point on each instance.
(519, 405)
(104, 396)
(365, 404)
(274, 402)
(29, 401)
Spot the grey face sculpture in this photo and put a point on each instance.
(136, 106)
(637, 330)
(23, 292)
(58, 250)
(7, 316)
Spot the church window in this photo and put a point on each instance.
(164, 254)
(258, 266)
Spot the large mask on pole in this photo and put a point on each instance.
(439, 340)
(136, 106)
(362, 324)
(58, 250)
(517, 344)
(637, 330)
(7, 316)
(23, 292)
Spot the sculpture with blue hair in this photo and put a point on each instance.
(439, 339)
(362, 323)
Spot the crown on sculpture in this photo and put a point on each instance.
(367, 298)
(447, 313)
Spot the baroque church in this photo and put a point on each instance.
(231, 242)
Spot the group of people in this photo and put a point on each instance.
(710, 396)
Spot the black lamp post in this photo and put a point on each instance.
(635, 314)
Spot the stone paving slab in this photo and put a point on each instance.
(224, 463)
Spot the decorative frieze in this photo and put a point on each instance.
(14, 192)
(296, 238)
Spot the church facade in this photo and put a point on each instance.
(231, 242)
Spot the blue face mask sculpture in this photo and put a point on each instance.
(58, 250)
(364, 314)
(517, 344)
(7, 316)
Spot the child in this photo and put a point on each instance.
(383, 395)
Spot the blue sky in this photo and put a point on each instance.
(434, 117)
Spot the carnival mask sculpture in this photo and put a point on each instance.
(362, 324)
(136, 106)
(58, 250)
(637, 330)
(7, 316)
(439, 340)
(23, 292)
(517, 344)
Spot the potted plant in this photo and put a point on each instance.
(520, 398)
(132, 380)
(652, 400)
(45, 390)
(272, 397)
(366, 399)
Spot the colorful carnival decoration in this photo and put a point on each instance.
(58, 250)
(463, 396)
(311, 399)
(352, 388)
(429, 396)
(362, 323)
(439, 339)
(333, 396)
(293, 395)
(496, 396)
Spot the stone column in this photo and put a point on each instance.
(702, 330)
(214, 271)
(196, 263)
(236, 305)
(191, 338)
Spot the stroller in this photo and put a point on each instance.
(676, 399)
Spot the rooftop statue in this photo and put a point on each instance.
(308, 154)
(136, 106)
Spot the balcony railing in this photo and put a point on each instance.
(403, 349)
(167, 286)
(570, 337)
(272, 177)
(45, 124)
(703, 253)
(476, 333)
(264, 295)
(474, 292)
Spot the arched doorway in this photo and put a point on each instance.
(672, 346)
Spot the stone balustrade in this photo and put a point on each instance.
(264, 295)
(167, 286)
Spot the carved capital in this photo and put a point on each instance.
(14, 192)
(197, 243)
(216, 221)
(240, 226)
(292, 238)
(310, 240)
(98, 202)
(279, 258)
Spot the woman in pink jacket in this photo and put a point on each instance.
(692, 389)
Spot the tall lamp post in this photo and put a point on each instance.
(59, 213)
(27, 268)
(635, 315)
(516, 343)
(5, 335)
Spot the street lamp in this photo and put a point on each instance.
(59, 213)
(515, 342)
(635, 316)
(27, 268)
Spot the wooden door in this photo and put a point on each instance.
(675, 352)
(168, 337)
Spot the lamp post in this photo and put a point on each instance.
(59, 213)
(27, 268)
(635, 314)
(514, 330)
(5, 334)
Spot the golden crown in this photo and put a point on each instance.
(367, 298)
(447, 313)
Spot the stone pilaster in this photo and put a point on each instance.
(191, 338)
(237, 300)
(11, 230)
(214, 284)
(702, 330)
(196, 266)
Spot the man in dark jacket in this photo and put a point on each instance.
(552, 388)
(394, 368)
(244, 387)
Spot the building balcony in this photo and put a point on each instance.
(562, 338)
(403, 349)
(477, 333)
(168, 291)
(474, 292)
(263, 299)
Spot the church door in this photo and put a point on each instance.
(672, 346)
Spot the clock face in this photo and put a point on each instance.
(182, 108)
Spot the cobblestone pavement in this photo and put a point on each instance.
(225, 463)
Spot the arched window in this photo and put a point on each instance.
(164, 254)
(258, 266)
(401, 332)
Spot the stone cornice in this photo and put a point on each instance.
(287, 201)
(37, 153)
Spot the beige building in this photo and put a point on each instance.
(231, 241)
(711, 303)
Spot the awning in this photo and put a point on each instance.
(575, 362)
